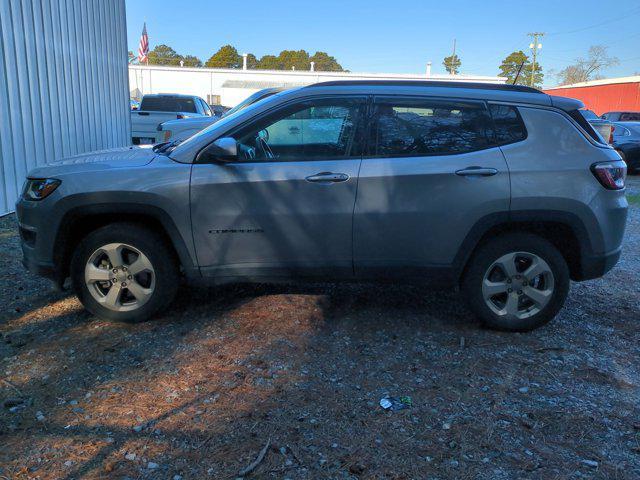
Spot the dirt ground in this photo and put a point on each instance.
(200, 391)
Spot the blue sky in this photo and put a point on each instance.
(396, 36)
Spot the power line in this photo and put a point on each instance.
(631, 12)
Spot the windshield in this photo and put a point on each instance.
(229, 118)
(248, 101)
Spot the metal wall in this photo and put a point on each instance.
(63, 84)
(610, 97)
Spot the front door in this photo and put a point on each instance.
(285, 207)
(433, 171)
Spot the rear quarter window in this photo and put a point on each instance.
(509, 127)
(579, 118)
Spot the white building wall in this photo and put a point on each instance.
(234, 85)
(63, 84)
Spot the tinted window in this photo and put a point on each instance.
(424, 127)
(319, 130)
(629, 117)
(168, 104)
(578, 116)
(509, 127)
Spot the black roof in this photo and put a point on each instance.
(428, 83)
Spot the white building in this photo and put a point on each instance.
(63, 84)
(231, 86)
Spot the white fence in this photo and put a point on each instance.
(231, 86)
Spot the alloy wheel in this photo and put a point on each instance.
(518, 285)
(119, 277)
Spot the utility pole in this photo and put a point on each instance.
(534, 46)
(453, 57)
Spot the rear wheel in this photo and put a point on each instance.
(124, 272)
(516, 282)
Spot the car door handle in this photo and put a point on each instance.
(476, 171)
(327, 177)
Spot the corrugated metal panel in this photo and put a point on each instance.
(64, 85)
(612, 97)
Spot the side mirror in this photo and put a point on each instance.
(223, 150)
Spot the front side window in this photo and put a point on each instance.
(312, 130)
(429, 127)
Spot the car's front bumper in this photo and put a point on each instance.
(37, 226)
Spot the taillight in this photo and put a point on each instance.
(611, 134)
(611, 174)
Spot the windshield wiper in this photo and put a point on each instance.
(166, 147)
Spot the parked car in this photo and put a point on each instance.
(134, 104)
(181, 129)
(502, 190)
(219, 110)
(622, 116)
(155, 109)
(603, 127)
(626, 140)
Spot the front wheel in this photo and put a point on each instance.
(124, 272)
(516, 282)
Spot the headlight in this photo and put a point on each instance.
(39, 188)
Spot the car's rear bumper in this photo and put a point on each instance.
(595, 266)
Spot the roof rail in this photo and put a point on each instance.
(429, 83)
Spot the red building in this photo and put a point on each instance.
(601, 96)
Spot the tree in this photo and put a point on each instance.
(452, 64)
(192, 61)
(132, 58)
(585, 69)
(164, 55)
(298, 59)
(252, 61)
(325, 63)
(226, 57)
(269, 62)
(511, 64)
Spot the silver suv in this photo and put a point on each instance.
(503, 191)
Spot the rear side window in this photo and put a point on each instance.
(405, 128)
(168, 104)
(509, 127)
(578, 116)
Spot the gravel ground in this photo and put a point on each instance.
(200, 391)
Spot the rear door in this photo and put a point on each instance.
(285, 208)
(432, 172)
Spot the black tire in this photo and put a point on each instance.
(160, 255)
(488, 253)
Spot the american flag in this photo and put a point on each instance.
(143, 49)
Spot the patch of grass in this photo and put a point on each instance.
(634, 199)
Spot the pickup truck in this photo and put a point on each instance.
(156, 109)
(176, 130)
